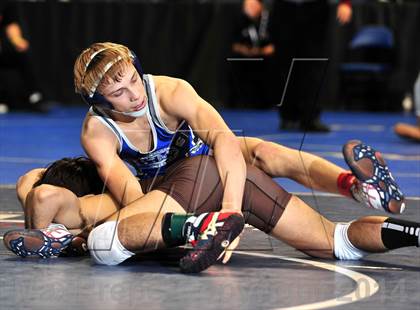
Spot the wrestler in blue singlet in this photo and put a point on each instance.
(168, 146)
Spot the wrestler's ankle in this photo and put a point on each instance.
(346, 184)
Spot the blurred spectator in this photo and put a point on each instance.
(14, 54)
(250, 82)
(411, 131)
(299, 29)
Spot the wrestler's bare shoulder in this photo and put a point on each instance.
(92, 126)
(165, 86)
(165, 83)
(167, 92)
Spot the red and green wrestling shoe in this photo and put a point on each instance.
(50, 242)
(375, 185)
(210, 234)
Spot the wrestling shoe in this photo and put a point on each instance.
(210, 235)
(44, 243)
(77, 247)
(375, 185)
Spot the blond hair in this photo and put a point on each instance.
(99, 65)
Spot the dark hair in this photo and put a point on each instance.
(77, 174)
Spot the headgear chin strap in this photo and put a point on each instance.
(96, 99)
(134, 113)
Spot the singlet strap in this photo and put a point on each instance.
(108, 122)
(153, 103)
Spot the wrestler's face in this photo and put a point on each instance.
(126, 94)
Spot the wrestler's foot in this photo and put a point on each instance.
(77, 247)
(210, 239)
(375, 185)
(38, 242)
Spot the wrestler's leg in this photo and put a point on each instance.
(143, 226)
(306, 230)
(365, 234)
(139, 223)
(280, 161)
(159, 218)
(380, 234)
(369, 181)
(266, 206)
(271, 209)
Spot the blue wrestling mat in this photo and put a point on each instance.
(29, 140)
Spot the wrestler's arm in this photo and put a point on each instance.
(48, 203)
(182, 101)
(45, 203)
(26, 182)
(101, 146)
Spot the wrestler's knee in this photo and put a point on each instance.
(261, 150)
(105, 247)
(267, 156)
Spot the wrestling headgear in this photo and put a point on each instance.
(94, 98)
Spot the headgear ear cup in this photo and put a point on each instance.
(136, 63)
(96, 98)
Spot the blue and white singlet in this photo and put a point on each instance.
(168, 146)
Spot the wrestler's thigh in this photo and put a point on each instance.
(156, 201)
(303, 228)
(195, 184)
(274, 159)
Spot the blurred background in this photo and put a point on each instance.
(192, 39)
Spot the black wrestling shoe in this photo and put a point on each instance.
(210, 239)
(77, 247)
